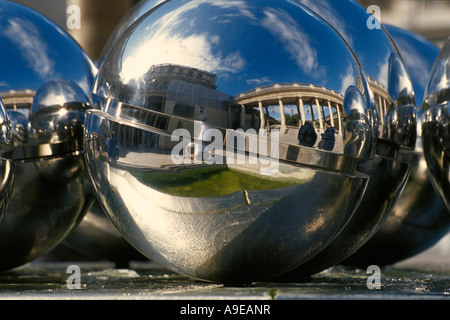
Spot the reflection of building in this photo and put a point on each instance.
(182, 91)
(18, 100)
(172, 98)
(381, 96)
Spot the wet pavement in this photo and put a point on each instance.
(424, 277)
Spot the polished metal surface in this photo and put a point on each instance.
(393, 92)
(136, 12)
(95, 236)
(6, 166)
(45, 86)
(383, 64)
(98, 239)
(435, 119)
(419, 218)
(212, 217)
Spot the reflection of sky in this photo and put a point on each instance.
(371, 46)
(30, 46)
(34, 50)
(327, 12)
(419, 57)
(244, 45)
(438, 76)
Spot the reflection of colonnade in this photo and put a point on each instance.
(322, 104)
(19, 106)
(381, 96)
(18, 100)
(288, 107)
(176, 94)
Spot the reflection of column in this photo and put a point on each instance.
(339, 118)
(320, 114)
(242, 116)
(331, 113)
(261, 115)
(380, 104)
(302, 110)
(282, 114)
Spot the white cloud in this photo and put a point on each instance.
(31, 45)
(197, 50)
(296, 42)
(348, 79)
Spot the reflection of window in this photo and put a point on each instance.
(184, 110)
(235, 113)
(154, 103)
(151, 118)
(158, 84)
(252, 119)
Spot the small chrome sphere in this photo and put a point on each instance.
(419, 219)
(393, 92)
(45, 86)
(198, 154)
(435, 132)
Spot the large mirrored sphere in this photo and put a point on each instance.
(435, 128)
(206, 153)
(419, 218)
(137, 11)
(45, 86)
(393, 92)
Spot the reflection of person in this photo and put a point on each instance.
(307, 135)
(327, 142)
(111, 146)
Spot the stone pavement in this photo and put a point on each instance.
(426, 276)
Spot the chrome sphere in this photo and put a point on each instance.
(137, 11)
(6, 166)
(45, 86)
(95, 236)
(419, 218)
(435, 129)
(394, 95)
(98, 239)
(196, 154)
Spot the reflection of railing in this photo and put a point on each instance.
(18, 99)
(174, 70)
(271, 87)
(287, 151)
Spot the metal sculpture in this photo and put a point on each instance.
(244, 201)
